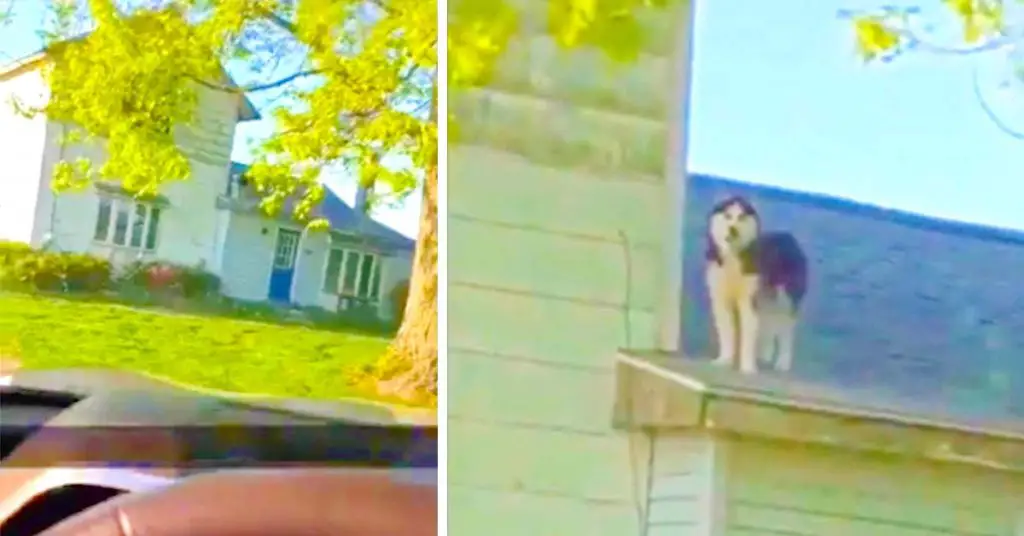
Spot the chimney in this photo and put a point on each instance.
(362, 196)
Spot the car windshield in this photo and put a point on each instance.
(174, 268)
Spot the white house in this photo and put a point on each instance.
(358, 261)
(208, 221)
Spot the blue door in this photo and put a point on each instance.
(283, 270)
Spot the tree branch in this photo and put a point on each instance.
(259, 87)
(279, 21)
(991, 114)
(994, 44)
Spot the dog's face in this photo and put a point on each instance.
(733, 226)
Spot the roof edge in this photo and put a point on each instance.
(649, 396)
(852, 207)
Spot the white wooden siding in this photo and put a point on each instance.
(542, 291)
(22, 150)
(813, 491)
(247, 257)
(686, 498)
(309, 271)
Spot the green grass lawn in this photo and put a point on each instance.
(211, 352)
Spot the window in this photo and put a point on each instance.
(353, 273)
(123, 222)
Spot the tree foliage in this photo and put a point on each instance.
(478, 32)
(888, 32)
(358, 96)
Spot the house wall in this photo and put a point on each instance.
(247, 258)
(558, 156)
(705, 486)
(22, 146)
(309, 276)
(189, 226)
(685, 485)
(395, 269)
(800, 490)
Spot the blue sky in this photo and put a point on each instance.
(779, 98)
(19, 38)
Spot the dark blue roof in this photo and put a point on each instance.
(345, 218)
(917, 306)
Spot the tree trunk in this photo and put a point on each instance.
(409, 367)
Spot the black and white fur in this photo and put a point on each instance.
(756, 282)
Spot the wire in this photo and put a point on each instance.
(638, 494)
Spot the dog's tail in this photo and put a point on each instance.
(782, 264)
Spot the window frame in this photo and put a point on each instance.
(148, 235)
(373, 292)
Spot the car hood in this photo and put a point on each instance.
(153, 392)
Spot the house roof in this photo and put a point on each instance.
(914, 310)
(344, 218)
(246, 112)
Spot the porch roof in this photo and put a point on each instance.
(663, 390)
(343, 219)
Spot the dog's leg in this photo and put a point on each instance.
(767, 334)
(767, 327)
(725, 328)
(787, 332)
(724, 318)
(787, 337)
(749, 320)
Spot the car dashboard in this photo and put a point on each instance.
(83, 450)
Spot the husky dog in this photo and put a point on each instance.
(756, 282)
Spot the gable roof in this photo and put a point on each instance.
(904, 305)
(246, 111)
(864, 210)
(344, 218)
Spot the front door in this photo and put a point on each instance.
(283, 270)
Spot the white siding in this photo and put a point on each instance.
(686, 495)
(188, 226)
(246, 263)
(543, 289)
(801, 490)
(22, 146)
(309, 271)
(247, 257)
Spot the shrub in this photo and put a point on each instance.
(22, 267)
(85, 273)
(198, 283)
(171, 279)
(12, 250)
